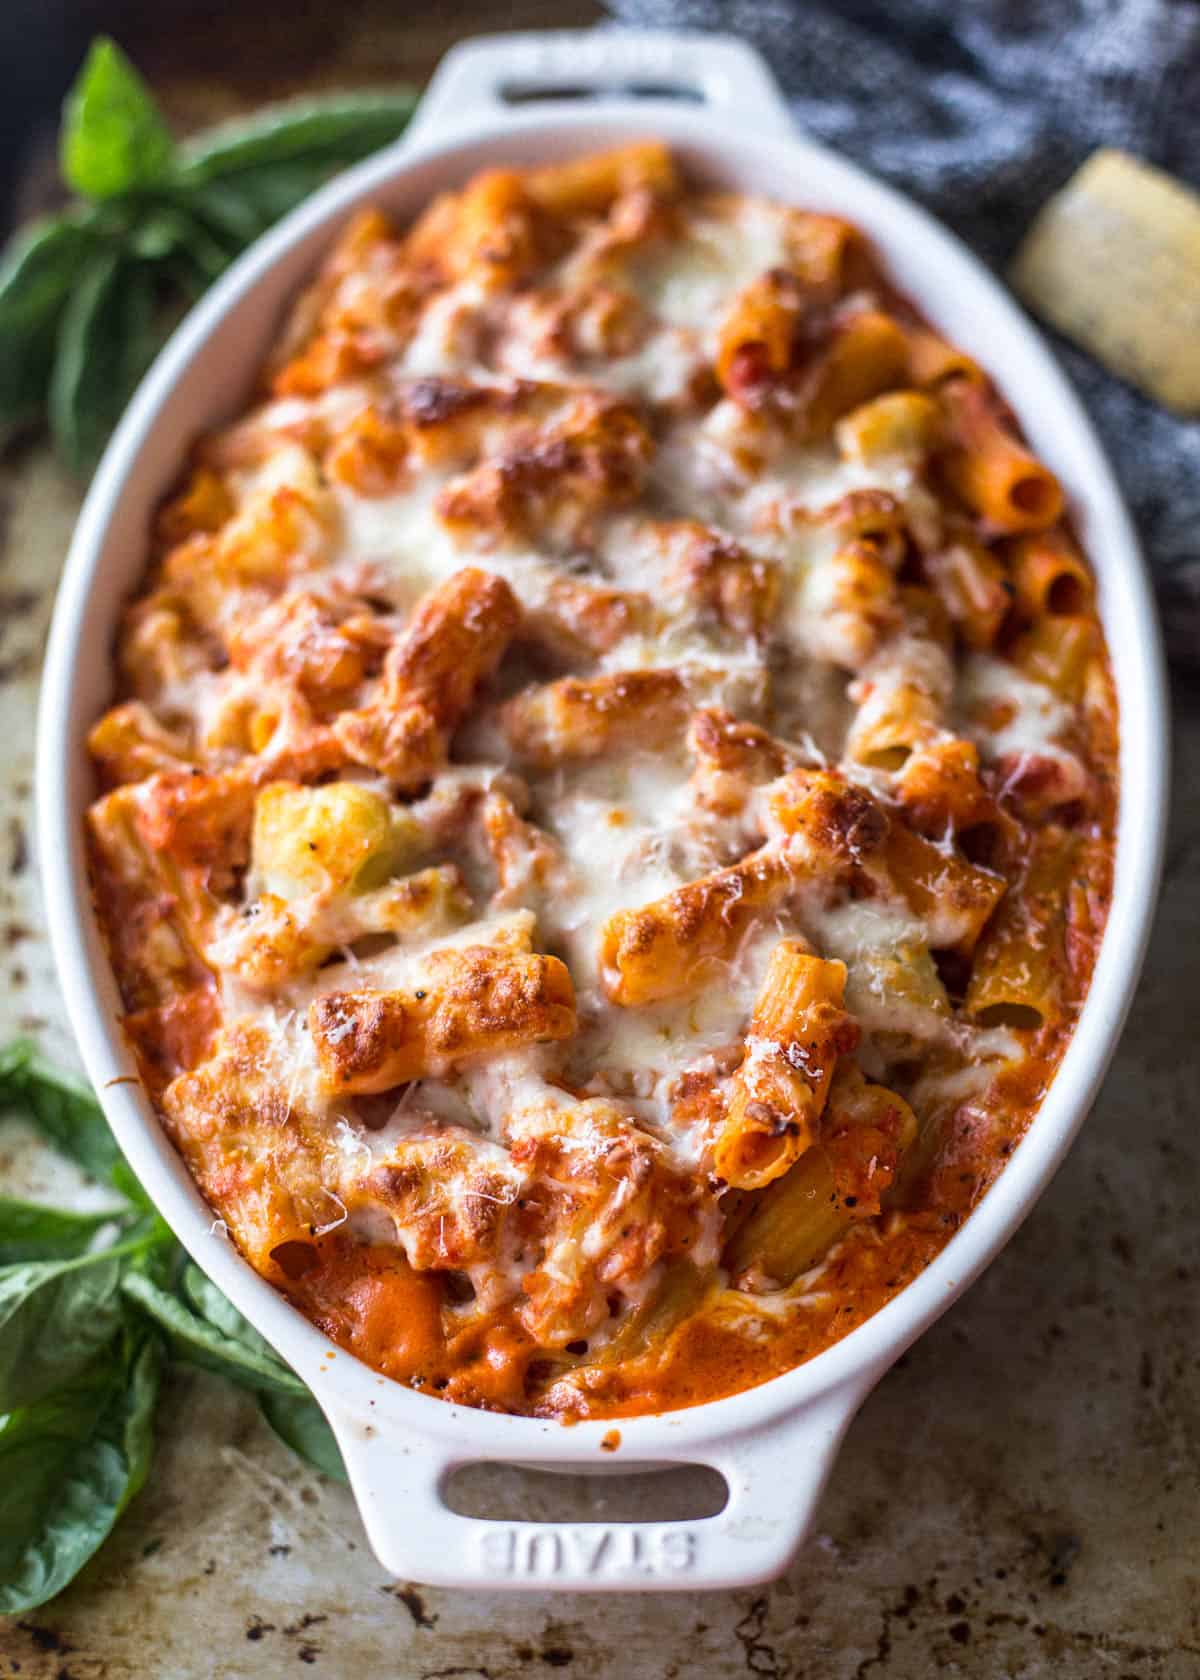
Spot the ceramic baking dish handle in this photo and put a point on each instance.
(774, 1477)
(494, 73)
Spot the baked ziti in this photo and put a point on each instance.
(608, 814)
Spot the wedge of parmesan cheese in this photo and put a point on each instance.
(1113, 261)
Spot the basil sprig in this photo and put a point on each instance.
(87, 296)
(69, 1465)
(91, 1306)
(63, 1109)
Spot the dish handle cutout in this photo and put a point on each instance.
(485, 76)
(775, 1476)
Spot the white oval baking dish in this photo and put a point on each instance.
(774, 1444)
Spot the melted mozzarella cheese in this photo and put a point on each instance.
(692, 281)
(631, 834)
(662, 370)
(1034, 718)
(399, 538)
(624, 826)
(445, 339)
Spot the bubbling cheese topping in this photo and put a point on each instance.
(609, 678)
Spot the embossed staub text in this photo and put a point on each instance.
(530, 1551)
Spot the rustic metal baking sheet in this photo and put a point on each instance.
(1020, 1497)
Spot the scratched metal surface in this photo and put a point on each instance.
(1018, 1498)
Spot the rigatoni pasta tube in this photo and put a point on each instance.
(333, 838)
(873, 516)
(866, 356)
(932, 360)
(833, 823)
(731, 757)
(953, 897)
(160, 945)
(370, 453)
(129, 743)
(795, 1036)
(1018, 970)
(495, 240)
(758, 335)
(454, 640)
(994, 474)
(671, 946)
(828, 255)
(680, 1290)
(903, 693)
(895, 718)
(227, 1121)
(588, 185)
(836, 822)
(898, 997)
(940, 787)
(1049, 576)
(475, 1001)
(840, 1180)
(578, 718)
(864, 596)
(974, 587)
(904, 424)
(1057, 652)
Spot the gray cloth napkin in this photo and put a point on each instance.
(981, 109)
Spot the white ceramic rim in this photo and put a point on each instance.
(399, 1445)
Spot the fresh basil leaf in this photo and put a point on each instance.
(61, 1107)
(107, 341)
(30, 1231)
(154, 1251)
(330, 131)
(165, 229)
(187, 283)
(274, 189)
(211, 1303)
(221, 206)
(67, 1115)
(69, 1466)
(14, 1057)
(149, 1246)
(300, 1424)
(291, 1411)
(113, 138)
(55, 1316)
(78, 295)
(200, 1342)
(37, 275)
(124, 1180)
